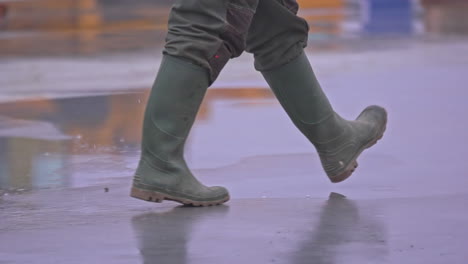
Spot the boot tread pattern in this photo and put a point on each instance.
(159, 197)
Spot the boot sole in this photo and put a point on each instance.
(353, 164)
(159, 197)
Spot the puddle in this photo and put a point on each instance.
(78, 141)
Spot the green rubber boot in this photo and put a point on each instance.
(162, 173)
(339, 142)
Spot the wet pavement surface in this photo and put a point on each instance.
(70, 123)
(94, 227)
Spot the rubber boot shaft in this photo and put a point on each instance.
(170, 113)
(338, 142)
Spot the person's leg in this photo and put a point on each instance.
(209, 32)
(277, 37)
(203, 35)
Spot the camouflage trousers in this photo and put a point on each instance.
(210, 32)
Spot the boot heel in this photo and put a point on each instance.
(146, 195)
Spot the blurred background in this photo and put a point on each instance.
(86, 27)
(75, 75)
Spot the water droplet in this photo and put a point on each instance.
(307, 196)
(46, 154)
(78, 136)
(122, 140)
(139, 101)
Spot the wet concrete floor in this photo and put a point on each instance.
(406, 202)
(70, 135)
(92, 226)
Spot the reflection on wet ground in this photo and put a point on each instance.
(42, 140)
(320, 235)
(89, 27)
(92, 226)
(342, 225)
(322, 231)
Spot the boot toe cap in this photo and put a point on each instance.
(374, 114)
